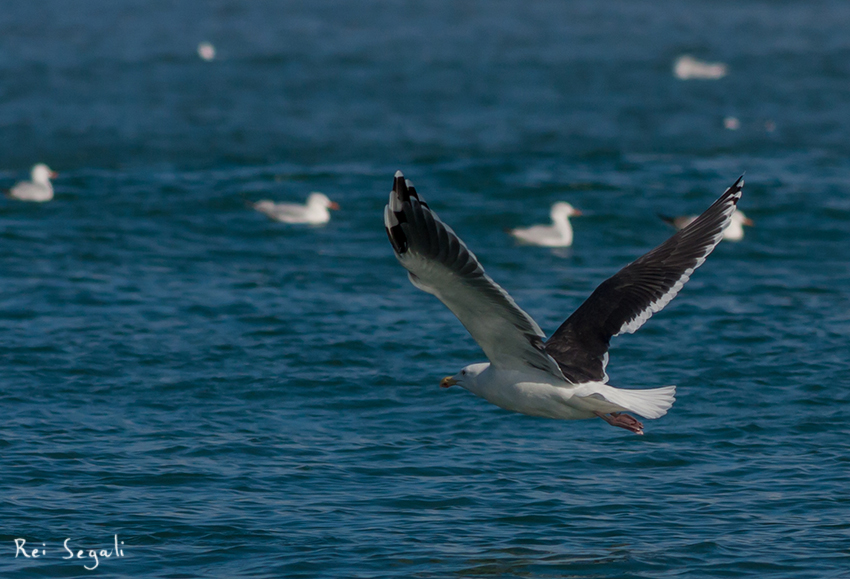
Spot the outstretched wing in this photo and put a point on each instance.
(623, 303)
(439, 263)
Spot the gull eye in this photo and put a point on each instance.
(463, 372)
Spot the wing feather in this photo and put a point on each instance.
(440, 263)
(625, 301)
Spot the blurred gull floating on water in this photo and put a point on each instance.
(206, 51)
(39, 189)
(687, 67)
(559, 234)
(315, 212)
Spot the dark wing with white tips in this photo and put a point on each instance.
(439, 263)
(622, 303)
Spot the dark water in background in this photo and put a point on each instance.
(234, 397)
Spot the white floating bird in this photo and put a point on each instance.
(39, 189)
(206, 51)
(562, 377)
(687, 67)
(559, 234)
(735, 231)
(731, 123)
(315, 212)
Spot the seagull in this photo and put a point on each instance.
(206, 50)
(559, 234)
(735, 231)
(39, 189)
(563, 377)
(687, 67)
(315, 212)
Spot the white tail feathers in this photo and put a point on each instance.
(652, 403)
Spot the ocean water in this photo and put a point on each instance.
(226, 396)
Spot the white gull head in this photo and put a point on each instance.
(467, 378)
(42, 174)
(735, 230)
(320, 201)
(562, 210)
(317, 208)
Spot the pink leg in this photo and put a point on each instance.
(623, 421)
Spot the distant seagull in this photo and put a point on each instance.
(559, 234)
(315, 212)
(734, 232)
(206, 51)
(563, 377)
(687, 67)
(39, 189)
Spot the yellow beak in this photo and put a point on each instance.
(447, 381)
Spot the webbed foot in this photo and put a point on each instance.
(623, 421)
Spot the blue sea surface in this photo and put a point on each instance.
(226, 396)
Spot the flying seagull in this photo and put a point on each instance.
(559, 234)
(563, 377)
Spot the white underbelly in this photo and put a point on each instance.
(539, 399)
